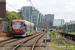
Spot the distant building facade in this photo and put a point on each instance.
(49, 17)
(49, 28)
(47, 23)
(58, 22)
(31, 14)
(2, 8)
(3, 24)
(27, 13)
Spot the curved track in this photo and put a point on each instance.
(36, 41)
(26, 42)
(14, 44)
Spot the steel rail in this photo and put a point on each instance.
(10, 41)
(36, 42)
(23, 42)
(6, 40)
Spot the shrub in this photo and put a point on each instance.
(11, 16)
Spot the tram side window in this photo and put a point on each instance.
(25, 27)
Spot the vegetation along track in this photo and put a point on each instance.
(7, 45)
(68, 38)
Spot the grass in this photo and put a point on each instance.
(57, 48)
(69, 32)
(53, 40)
(1, 19)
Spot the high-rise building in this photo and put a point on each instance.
(47, 22)
(31, 14)
(27, 13)
(58, 22)
(49, 17)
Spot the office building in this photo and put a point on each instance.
(31, 14)
(58, 22)
(49, 17)
(47, 22)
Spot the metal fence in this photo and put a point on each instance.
(5, 26)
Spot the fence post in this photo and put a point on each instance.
(45, 39)
(57, 37)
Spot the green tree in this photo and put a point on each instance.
(46, 30)
(11, 16)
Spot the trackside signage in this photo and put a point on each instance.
(57, 36)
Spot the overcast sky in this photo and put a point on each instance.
(62, 9)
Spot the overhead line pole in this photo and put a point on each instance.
(15, 9)
(12, 7)
(31, 15)
(31, 3)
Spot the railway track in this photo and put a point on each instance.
(27, 43)
(11, 40)
(8, 41)
(68, 35)
(68, 38)
(34, 45)
(5, 40)
(16, 43)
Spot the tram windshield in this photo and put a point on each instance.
(17, 25)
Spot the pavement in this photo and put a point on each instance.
(3, 36)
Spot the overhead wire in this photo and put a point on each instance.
(8, 9)
(12, 6)
(31, 3)
(17, 9)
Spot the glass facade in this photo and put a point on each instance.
(27, 13)
(49, 17)
(33, 15)
(58, 22)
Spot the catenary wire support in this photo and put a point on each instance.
(31, 2)
(11, 6)
(31, 15)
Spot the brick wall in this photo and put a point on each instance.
(2, 9)
(1, 26)
(2, 0)
(45, 27)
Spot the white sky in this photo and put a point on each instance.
(62, 9)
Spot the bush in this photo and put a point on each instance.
(11, 16)
(46, 30)
(1, 19)
(53, 37)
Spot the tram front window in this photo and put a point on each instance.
(17, 25)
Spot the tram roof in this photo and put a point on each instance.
(26, 22)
